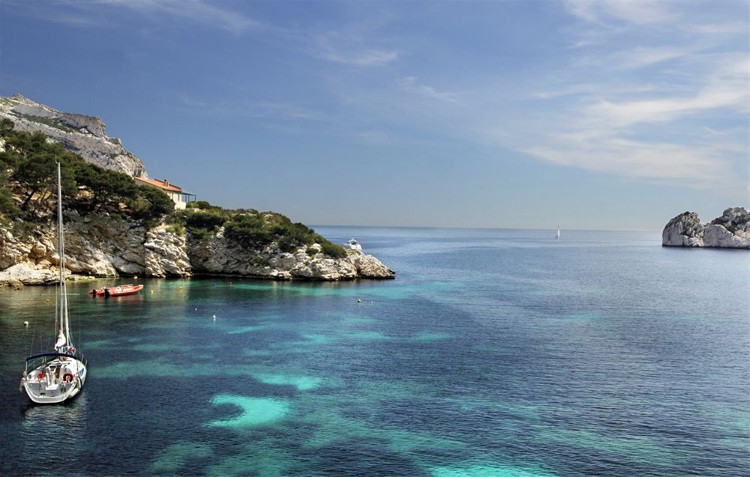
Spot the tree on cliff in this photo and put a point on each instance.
(28, 171)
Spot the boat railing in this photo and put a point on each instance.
(33, 362)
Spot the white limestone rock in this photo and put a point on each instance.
(731, 230)
(82, 134)
(685, 230)
(106, 246)
(165, 254)
(28, 274)
(368, 266)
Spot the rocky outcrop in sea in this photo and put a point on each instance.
(110, 247)
(731, 230)
(78, 133)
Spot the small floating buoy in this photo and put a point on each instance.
(214, 317)
(25, 323)
(359, 301)
(196, 309)
(152, 292)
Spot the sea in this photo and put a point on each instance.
(492, 353)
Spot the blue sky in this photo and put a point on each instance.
(530, 114)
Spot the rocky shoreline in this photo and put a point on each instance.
(731, 230)
(98, 247)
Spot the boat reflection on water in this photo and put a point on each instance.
(67, 416)
(58, 427)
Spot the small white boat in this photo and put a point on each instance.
(557, 236)
(55, 376)
(353, 245)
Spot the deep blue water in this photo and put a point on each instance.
(493, 353)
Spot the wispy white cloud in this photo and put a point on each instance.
(698, 165)
(648, 109)
(366, 58)
(198, 11)
(412, 84)
(99, 13)
(350, 46)
(631, 11)
(641, 57)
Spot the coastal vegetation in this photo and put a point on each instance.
(27, 183)
(27, 190)
(250, 228)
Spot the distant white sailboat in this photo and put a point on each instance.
(557, 236)
(58, 375)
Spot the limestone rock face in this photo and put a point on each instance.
(218, 256)
(28, 274)
(104, 246)
(84, 135)
(685, 230)
(368, 266)
(165, 254)
(731, 230)
(94, 246)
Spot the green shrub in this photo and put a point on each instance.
(176, 229)
(248, 230)
(333, 250)
(203, 205)
(207, 220)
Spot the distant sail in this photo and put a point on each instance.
(557, 236)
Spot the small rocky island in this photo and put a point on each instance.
(115, 226)
(731, 230)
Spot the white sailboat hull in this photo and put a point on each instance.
(55, 381)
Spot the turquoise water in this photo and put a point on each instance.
(493, 353)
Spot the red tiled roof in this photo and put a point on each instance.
(164, 185)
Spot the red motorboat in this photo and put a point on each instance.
(120, 290)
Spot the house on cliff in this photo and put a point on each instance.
(178, 196)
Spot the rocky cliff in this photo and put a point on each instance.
(81, 134)
(110, 247)
(731, 230)
(114, 230)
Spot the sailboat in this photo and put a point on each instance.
(58, 375)
(557, 236)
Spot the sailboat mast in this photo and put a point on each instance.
(64, 325)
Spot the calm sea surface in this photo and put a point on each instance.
(493, 353)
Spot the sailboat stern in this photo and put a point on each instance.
(53, 377)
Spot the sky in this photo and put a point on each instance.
(583, 114)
